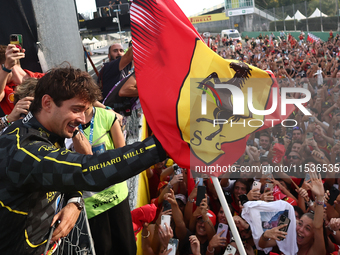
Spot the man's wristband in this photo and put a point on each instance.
(319, 202)
(6, 69)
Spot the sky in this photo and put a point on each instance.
(189, 7)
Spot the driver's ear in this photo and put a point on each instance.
(47, 103)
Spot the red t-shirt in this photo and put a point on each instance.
(7, 103)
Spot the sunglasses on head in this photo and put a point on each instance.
(293, 157)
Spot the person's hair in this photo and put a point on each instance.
(65, 83)
(298, 210)
(309, 215)
(297, 141)
(243, 181)
(25, 89)
(2, 54)
(265, 134)
(314, 109)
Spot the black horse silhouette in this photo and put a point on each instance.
(224, 108)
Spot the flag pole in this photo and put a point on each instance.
(228, 215)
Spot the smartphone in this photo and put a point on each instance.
(289, 135)
(305, 85)
(222, 227)
(200, 194)
(268, 187)
(243, 199)
(250, 142)
(283, 220)
(307, 177)
(173, 244)
(256, 185)
(311, 120)
(17, 40)
(200, 181)
(165, 219)
(178, 170)
(334, 193)
(228, 197)
(309, 135)
(166, 205)
(230, 250)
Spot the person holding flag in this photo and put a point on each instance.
(190, 85)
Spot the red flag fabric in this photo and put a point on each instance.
(311, 38)
(173, 77)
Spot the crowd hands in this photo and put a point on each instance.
(203, 228)
(290, 59)
(312, 143)
(309, 146)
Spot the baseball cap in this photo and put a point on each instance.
(181, 197)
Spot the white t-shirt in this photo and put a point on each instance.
(265, 215)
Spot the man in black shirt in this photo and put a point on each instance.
(117, 69)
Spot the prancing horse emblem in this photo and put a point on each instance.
(224, 107)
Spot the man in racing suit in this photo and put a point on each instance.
(35, 168)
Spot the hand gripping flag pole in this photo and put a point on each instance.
(228, 215)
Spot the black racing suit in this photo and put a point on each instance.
(33, 172)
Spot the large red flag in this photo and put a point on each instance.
(176, 73)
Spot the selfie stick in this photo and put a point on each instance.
(228, 215)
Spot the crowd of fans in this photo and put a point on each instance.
(312, 146)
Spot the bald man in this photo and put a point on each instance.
(115, 70)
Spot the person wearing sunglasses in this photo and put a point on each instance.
(294, 158)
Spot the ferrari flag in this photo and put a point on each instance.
(197, 103)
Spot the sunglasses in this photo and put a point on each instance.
(293, 157)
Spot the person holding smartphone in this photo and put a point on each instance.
(12, 75)
(309, 229)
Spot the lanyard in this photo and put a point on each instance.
(91, 127)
